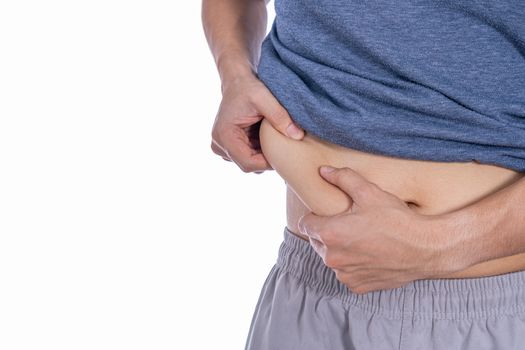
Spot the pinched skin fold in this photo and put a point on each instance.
(298, 163)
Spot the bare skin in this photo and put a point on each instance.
(422, 187)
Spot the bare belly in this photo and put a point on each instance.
(428, 187)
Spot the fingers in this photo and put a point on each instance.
(319, 248)
(371, 284)
(238, 148)
(235, 144)
(219, 151)
(235, 133)
(314, 226)
(351, 182)
(249, 162)
(278, 116)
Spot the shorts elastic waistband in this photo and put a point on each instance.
(455, 298)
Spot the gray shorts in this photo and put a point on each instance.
(303, 306)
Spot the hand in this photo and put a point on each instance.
(235, 135)
(379, 243)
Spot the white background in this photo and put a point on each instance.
(119, 227)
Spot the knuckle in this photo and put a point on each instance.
(279, 123)
(247, 166)
(281, 117)
(256, 96)
(243, 167)
(362, 189)
(340, 175)
(336, 175)
(216, 137)
(251, 164)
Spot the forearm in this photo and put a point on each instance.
(234, 30)
(491, 228)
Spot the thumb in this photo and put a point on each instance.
(312, 225)
(278, 116)
(350, 181)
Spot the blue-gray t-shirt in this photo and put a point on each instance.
(420, 79)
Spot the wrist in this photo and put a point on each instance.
(455, 241)
(233, 68)
(488, 229)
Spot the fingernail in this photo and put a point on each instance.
(300, 225)
(294, 132)
(325, 170)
